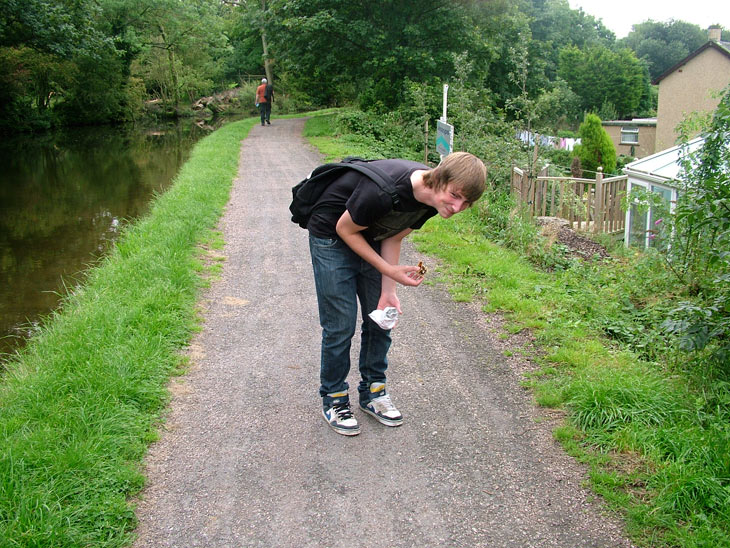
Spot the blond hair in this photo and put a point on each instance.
(463, 170)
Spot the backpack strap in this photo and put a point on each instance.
(376, 174)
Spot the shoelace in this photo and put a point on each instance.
(342, 410)
(385, 402)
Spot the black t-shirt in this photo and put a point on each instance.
(369, 205)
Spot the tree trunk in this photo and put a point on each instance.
(267, 61)
(173, 71)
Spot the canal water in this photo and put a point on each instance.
(64, 197)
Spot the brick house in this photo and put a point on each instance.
(636, 137)
(692, 85)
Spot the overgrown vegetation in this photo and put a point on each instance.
(635, 348)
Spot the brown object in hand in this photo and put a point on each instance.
(422, 268)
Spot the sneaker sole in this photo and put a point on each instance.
(342, 431)
(382, 420)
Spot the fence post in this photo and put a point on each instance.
(598, 219)
(425, 143)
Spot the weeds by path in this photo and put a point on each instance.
(656, 442)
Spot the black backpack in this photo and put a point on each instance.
(306, 193)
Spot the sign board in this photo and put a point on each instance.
(444, 138)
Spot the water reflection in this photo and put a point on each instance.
(63, 199)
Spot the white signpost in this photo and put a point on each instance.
(444, 131)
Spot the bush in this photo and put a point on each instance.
(596, 149)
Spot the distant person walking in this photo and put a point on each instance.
(264, 98)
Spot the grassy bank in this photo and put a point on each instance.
(656, 443)
(79, 406)
(654, 432)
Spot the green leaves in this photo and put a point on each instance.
(699, 254)
(596, 148)
(374, 46)
(599, 75)
(662, 44)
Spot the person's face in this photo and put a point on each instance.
(449, 201)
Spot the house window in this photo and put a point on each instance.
(629, 135)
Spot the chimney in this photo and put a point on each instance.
(714, 34)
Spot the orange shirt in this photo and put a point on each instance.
(260, 94)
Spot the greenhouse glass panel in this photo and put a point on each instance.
(657, 215)
(637, 220)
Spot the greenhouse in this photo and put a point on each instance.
(658, 174)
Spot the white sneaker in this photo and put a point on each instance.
(381, 407)
(340, 418)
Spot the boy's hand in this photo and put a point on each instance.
(389, 299)
(407, 275)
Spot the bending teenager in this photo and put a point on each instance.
(355, 236)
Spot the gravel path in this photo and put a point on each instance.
(246, 460)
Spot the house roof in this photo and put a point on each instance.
(632, 122)
(722, 47)
(665, 165)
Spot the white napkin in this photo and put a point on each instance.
(386, 319)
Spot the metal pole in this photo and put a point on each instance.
(446, 93)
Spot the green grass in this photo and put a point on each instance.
(655, 436)
(81, 403)
(659, 453)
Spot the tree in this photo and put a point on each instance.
(375, 46)
(600, 76)
(246, 48)
(596, 148)
(558, 107)
(663, 44)
(60, 27)
(39, 43)
(555, 25)
(182, 42)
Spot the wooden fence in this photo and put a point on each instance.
(590, 205)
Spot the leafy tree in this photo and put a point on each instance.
(39, 40)
(596, 148)
(502, 55)
(663, 44)
(699, 254)
(555, 25)
(600, 76)
(181, 47)
(242, 27)
(60, 27)
(374, 45)
(73, 59)
(559, 107)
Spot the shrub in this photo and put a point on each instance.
(596, 149)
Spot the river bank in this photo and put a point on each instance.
(79, 405)
(65, 197)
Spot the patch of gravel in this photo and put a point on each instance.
(245, 458)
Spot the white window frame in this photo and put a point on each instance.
(627, 131)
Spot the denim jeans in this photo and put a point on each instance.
(342, 278)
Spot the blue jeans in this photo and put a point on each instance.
(342, 278)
